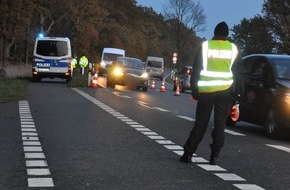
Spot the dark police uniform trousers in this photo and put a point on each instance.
(221, 102)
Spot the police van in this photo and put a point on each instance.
(52, 58)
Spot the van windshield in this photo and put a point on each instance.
(111, 56)
(52, 48)
(154, 64)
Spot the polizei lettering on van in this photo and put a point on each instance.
(219, 54)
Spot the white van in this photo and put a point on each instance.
(52, 58)
(108, 56)
(155, 67)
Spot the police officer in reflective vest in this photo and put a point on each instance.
(74, 62)
(215, 69)
(83, 63)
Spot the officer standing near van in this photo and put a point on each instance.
(83, 63)
(214, 71)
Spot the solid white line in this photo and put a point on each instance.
(40, 182)
(279, 147)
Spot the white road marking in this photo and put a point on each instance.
(186, 118)
(234, 133)
(229, 177)
(248, 187)
(279, 147)
(161, 109)
(198, 160)
(209, 167)
(38, 172)
(33, 150)
(176, 148)
(173, 147)
(40, 182)
(36, 163)
(164, 142)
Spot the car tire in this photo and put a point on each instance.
(272, 126)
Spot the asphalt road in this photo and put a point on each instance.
(99, 138)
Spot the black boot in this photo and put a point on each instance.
(186, 157)
(214, 157)
(213, 160)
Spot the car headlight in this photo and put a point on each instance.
(145, 75)
(287, 98)
(118, 72)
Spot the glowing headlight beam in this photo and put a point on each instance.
(145, 75)
(118, 72)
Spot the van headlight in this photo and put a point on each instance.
(145, 75)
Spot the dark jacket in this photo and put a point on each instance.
(237, 69)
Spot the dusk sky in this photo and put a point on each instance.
(230, 11)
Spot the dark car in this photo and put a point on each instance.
(128, 71)
(266, 100)
(182, 78)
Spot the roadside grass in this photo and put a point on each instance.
(14, 80)
(12, 89)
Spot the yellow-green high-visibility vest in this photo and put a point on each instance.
(218, 58)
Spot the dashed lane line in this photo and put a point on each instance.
(201, 162)
(36, 166)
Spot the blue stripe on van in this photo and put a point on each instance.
(40, 62)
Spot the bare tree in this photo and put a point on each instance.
(186, 18)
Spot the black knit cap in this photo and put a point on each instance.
(221, 29)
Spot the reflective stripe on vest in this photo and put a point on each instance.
(218, 58)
